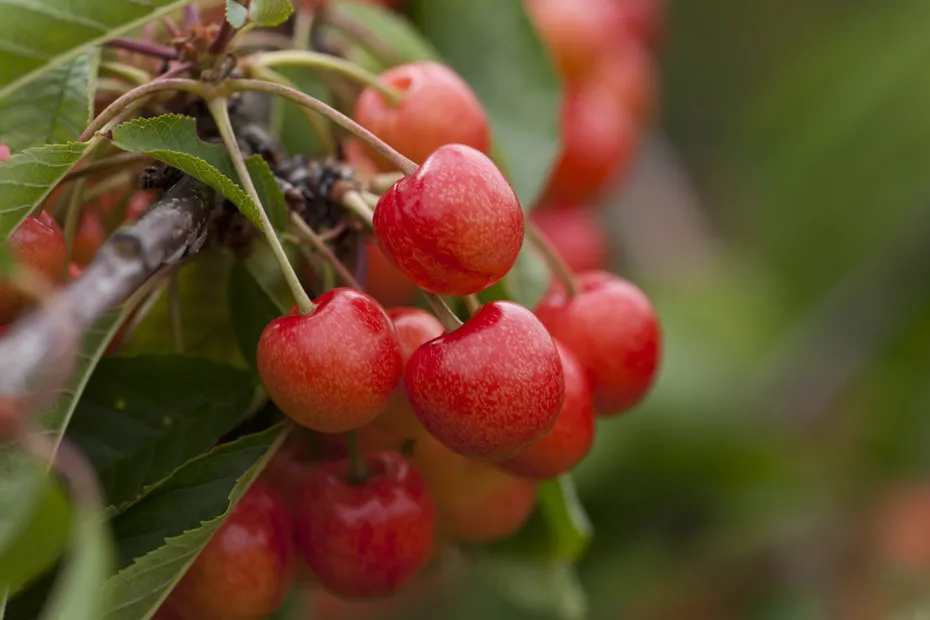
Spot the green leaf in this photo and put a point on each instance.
(159, 537)
(41, 35)
(142, 417)
(236, 14)
(173, 139)
(393, 29)
(52, 109)
(270, 13)
(34, 515)
(511, 74)
(547, 588)
(292, 128)
(529, 279)
(251, 308)
(28, 177)
(268, 191)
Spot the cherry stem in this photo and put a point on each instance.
(219, 110)
(180, 69)
(472, 303)
(316, 60)
(397, 160)
(358, 470)
(73, 215)
(142, 47)
(358, 206)
(553, 259)
(313, 119)
(381, 183)
(133, 75)
(442, 311)
(324, 250)
(303, 23)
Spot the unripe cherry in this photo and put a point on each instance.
(490, 388)
(455, 227)
(613, 330)
(438, 108)
(334, 369)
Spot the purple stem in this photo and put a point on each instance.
(176, 71)
(191, 16)
(143, 47)
(222, 38)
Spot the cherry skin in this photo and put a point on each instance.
(454, 227)
(387, 283)
(645, 19)
(366, 539)
(414, 327)
(438, 108)
(599, 139)
(490, 388)
(40, 244)
(475, 502)
(612, 329)
(576, 233)
(334, 369)
(570, 439)
(245, 570)
(89, 237)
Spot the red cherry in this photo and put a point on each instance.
(576, 233)
(387, 283)
(366, 539)
(570, 439)
(288, 469)
(246, 569)
(75, 271)
(454, 227)
(490, 388)
(414, 327)
(475, 502)
(138, 205)
(645, 19)
(630, 74)
(576, 33)
(356, 156)
(334, 369)
(613, 330)
(89, 237)
(599, 139)
(438, 108)
(40, 244)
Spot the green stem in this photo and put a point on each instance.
(315, 120)
(218, 108)
(472, 303)
(131, 74)
(323, 250)
(303, 22)
(316, 60)
(445, 315)
(381, 183)
(358, 471)
(358, 206)
(553, 259)
(397, 160)
(73, 214)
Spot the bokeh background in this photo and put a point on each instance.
(779, 216)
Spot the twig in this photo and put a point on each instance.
(324, 250)
(142, 47)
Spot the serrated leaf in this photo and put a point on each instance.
(236, 14)
(512, 76)
(53, 108)
(41, 35)
(270, 13)
(28, 177)
(173, 139)
(251, 308)
(547, 588)
(142, 417)
(160, 537)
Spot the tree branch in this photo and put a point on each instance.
(38, 354)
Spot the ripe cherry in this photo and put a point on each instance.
(577, 235)
(387, 283)
(599, 139)
(490, 388)
(570, 439)
(334, 369)
(645, 19)
(630, 74)
(454, 227)
(245, 570)
(366, 538)
(438, 108)
(613, 330)
(40, 244)
(414, 327)
(475, 502)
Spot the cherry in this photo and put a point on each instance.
(334, 369)
(40, 244)
(245, 570)
(577, 235)
(490, 388)
(357, 157)
(387, 283)
(613, 330)
(414, 327)
(645, 19)
(289, 467)
(371, 438)
(630, 74)
(576, 33)
(475, 502)
(370, 538)
(599, 139)
(454, 227)
(89, 237)
(570, 439)
(438, 108)
(139, 203)
(75, 271)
